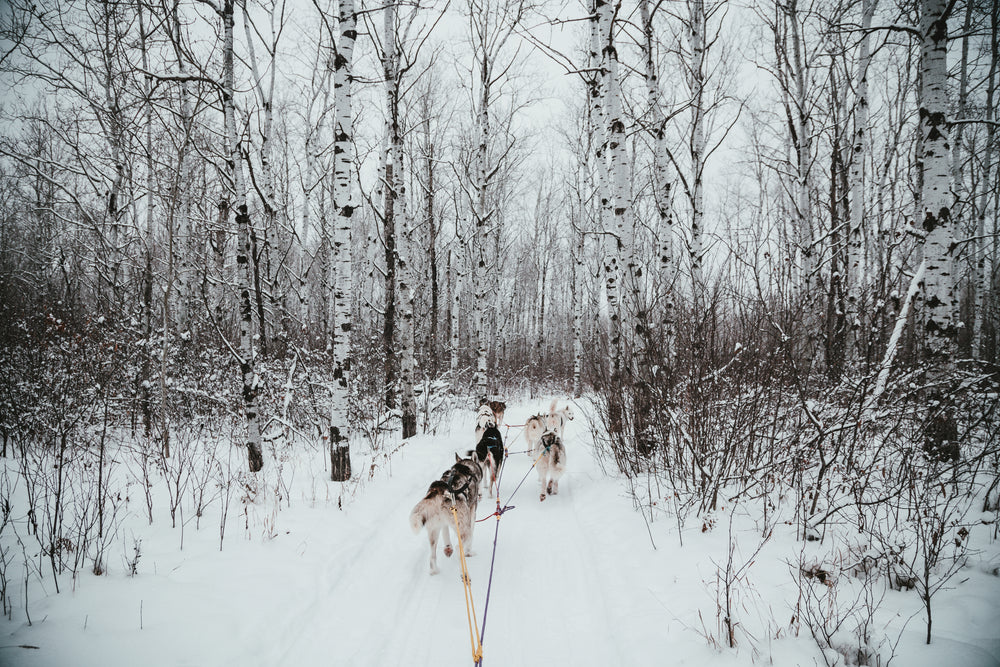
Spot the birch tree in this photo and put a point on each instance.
(314, 179)
(859, 154)
(491, 26)
(939, 332)
(237, 190)
(263, 87)
(395, 214)
(184, 273)
(988, 181)
(656, 122)
(935, 195)
(696, 82)
(343, 136)
(399, 46)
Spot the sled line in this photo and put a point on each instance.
(496, 532)
(470, 606)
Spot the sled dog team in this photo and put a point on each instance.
(458, 487)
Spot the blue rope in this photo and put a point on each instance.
(496, 531)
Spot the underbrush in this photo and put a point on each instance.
(861, 476)
(99, 442)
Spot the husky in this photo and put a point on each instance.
(554, 421)
(485, 419)
(498, 408)
(489, 442)
(490, 454)
(458, 488)
(551, 455)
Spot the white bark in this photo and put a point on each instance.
(400, 216)
(982, 276)
(855, 234)
(491, 26)
(577, 306)
(662, 187)
(599, 30)
(803, 150)
(936, 196)
(184, 233)
(614, 172)
(265, 96)
(696, 26)
(343, 79)
(897, 332)
(454, 310)
(244, 276)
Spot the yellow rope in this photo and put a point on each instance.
(470, 607)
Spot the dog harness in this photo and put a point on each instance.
(491, 442)
(449, 479)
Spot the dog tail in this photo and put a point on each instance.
(552, 408)
(418, 517)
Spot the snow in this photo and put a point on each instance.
(577, 579)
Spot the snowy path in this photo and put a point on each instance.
(560, 591)
(577, 582)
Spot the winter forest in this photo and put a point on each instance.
(262, 260)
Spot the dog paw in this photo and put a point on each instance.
(549, 488)
(541, 497)
(434, 571)
(469, 553)
(447, 550)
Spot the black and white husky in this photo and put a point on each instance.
(489, 446)
(551, 465)
(458, 488)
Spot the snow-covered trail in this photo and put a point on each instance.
(576, 582)
(562, 588)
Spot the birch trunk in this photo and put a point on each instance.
(577, 286)
(150, 234)
(150, 240)
(185, 169)
(480, 240)
(855, 233)
(399, 294)
(614, 175)
(430, 220)
(389, 236)
(343, 159)
(234, 165)
(936, 196)
(662, 188)
(696, 39)
(454, 311)
(803, 155)
(982, 277)
(599, 28)
(265, 95)
(404, 285)
(118, 196)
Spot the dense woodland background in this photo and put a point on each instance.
(762, 235)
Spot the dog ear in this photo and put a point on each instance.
(457, 457)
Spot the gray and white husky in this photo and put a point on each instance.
(551, 465)
(458, 488)
(554, 421)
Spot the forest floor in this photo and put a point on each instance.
(580, 579)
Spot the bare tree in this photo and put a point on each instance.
(855, 274)
(343, 82)
(982, 275)
(237, 191)
(936, 222)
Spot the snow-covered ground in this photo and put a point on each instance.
(577, 581)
